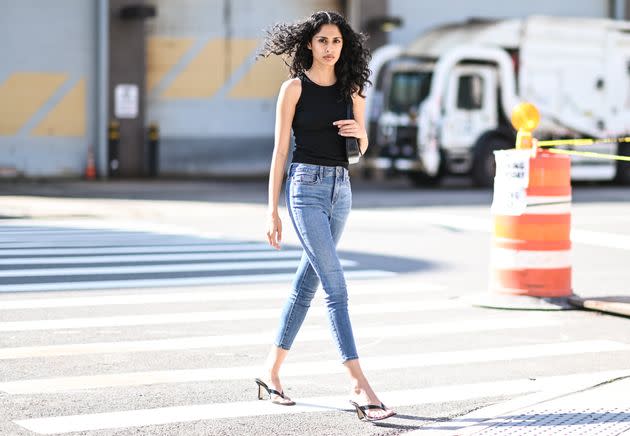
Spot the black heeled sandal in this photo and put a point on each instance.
(364, 416)
(262, 385)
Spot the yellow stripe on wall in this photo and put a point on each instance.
(22, 94)
(68, 117)
(263, 80)
(206, 74)
(162, 55)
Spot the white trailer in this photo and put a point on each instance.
(447, 98)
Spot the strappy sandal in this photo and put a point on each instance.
(365, 417)
(262, 385)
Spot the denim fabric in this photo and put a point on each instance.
(319, 201)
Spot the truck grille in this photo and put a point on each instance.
(404, 145)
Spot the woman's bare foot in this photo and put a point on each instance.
(363, 395)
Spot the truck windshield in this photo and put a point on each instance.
(408, 89)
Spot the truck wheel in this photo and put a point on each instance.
(420, 179)
(622, 175)
(484, 166)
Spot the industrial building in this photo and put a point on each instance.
(83, 80)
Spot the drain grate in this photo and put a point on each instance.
(603, 421)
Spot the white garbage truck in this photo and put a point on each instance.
(442, 105)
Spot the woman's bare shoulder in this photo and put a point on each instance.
(292, 85)
(356, 97)
(291, 89)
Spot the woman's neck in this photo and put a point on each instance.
(322, 75)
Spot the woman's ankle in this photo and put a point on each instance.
(360, 386)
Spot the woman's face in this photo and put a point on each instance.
(326, 44)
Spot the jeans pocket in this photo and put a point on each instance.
(305, 178)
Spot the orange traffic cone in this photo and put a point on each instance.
(90, 168)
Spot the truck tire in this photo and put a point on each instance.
(423, 180)
(484, 166)
(622, 176)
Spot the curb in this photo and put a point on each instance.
(521, 302)
(618, 305)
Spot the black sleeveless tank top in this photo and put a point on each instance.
(317, 141)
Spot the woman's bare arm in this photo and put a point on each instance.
(285, 109)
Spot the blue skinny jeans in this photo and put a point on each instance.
(319, 199)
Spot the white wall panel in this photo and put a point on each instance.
(48, 67)
(420, 15)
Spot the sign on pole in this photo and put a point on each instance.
(126, 101)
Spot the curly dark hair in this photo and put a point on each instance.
(290, 40)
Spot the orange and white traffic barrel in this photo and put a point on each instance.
(531, 244)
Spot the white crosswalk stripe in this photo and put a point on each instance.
(260, 293)
(133, 418)
(213, 411)
(291, 254)
(61, 329)
(179, 281)
(221, 315)
(53, 258)
(262, 338)
(418, 360)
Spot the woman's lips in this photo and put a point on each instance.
(329, 58)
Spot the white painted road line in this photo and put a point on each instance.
(420, 360)
(265, 337)
(477, 224)
(124, 258)
(221, 315)
(197, 412)
(162, 268)
(601, 239)
(131, 248)
(179, 281)
(85, 236)
(180, 296)
(43, 231)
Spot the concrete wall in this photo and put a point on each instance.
(418, 16)
(46, 81)
(214, 104)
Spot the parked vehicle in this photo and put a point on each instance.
(442, 105)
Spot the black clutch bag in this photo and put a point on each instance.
(353, 152)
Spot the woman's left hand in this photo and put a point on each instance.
(350, 128)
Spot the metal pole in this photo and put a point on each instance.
(102, 86)
(619, 11)
(353, 14)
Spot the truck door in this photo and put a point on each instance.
(470, 107)
(618, 97)
(617, 83)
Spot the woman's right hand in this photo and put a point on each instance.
(274, 230)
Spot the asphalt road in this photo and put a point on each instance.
(147, 308)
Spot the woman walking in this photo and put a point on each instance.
(329, 71)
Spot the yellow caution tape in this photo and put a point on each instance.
(583, 141)
(589, 154)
